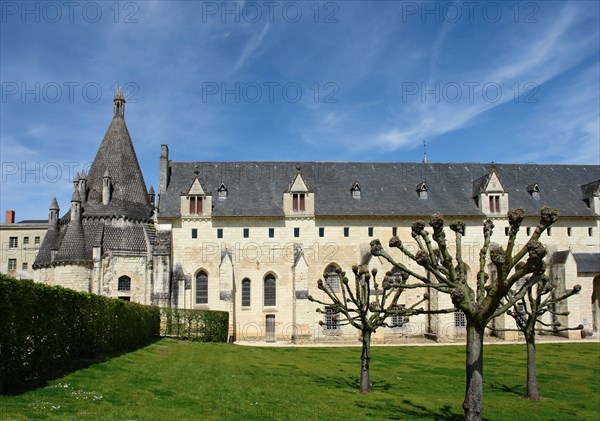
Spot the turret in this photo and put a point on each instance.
(53, 214)
(119, 104)
(75, 207)
(106, 187)
(82, 186)
(76, 182)
(151, 195)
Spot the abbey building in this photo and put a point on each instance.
(253, 238)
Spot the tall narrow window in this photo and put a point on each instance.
(296, 232)
(494, 204)
(332, 319)
(202, 288)
(321, 232)
(246, 293)
(346, 231)
(569, 231)
(194, 233)
(298, 202)
(271, 232)
(13, 242)
(124, 283)
(219, 232)
(394, 231)
(196, 205)
(246, 232)
(12, 264)
(370, 231)
(25, 240)
(590, 232)
(270, 291)
(333, 278)
(37, 240)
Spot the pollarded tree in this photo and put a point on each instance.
(366, 309)
(539, 299)
(491, 295)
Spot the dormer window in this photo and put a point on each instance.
(534, 190)
(355, 190)
(422, 190)
(222, 192)
(298, 202)
(196, 205)
(494, 203)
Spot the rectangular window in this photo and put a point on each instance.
(25, 240)
(246, 232)
(12, 264)
(394, 231)
(569, 231)
(194, 233)
(125, 298)
(219, 232)
(196, 205)
(332, 322)
(528, 231)
(37, 240)
(398, 320)
(549, 231)
(460, 320)
(370, 231)
(124, 283)
(271, 232)
(298, 202)
(590, 232)
(494, 204)
(346, 231)
(506, 231)
(296, 232)
(13, 242)
(321, 232)
(24, 266)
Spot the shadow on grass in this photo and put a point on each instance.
(352, 382)
(21, 386)
(515, 390)
(408, 409)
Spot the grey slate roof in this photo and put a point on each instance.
(387, 189)
(559, 257)
(587, 262)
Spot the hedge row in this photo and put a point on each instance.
(43, 329)
(196, 325)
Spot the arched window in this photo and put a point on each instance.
(332, 281)
(124, 283)
(246, 292)
(270, 291)
(201, 288)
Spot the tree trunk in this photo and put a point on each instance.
(365, 358)
(473, 403)
(532, 389)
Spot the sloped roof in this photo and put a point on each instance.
(587, 262)
(129, 197)
(387, 189)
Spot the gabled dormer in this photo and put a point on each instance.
(490, 194)
(591, 195)
(355, 190)
(422, 190)
(222, 192)
(196, 201)
(534, 191)
(298, 199)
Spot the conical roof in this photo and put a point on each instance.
(129, 197)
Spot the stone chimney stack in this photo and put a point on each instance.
(164, 170)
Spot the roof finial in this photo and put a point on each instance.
(119, 103)
(425, 152)
(196, 170)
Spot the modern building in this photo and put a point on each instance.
(253, 238)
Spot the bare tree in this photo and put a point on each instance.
(486, 300)
(539, 299)
(366, 309)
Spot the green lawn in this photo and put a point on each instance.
(171, 380)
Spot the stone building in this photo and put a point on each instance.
(252, 238)
(19, 245)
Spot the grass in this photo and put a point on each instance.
(192, 381)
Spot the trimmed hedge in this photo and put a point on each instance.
(44, 329)
(195, 325)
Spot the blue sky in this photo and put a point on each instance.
(325, 81)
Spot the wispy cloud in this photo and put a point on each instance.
(251, 48)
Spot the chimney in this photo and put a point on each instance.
(164, 169)
(10, 217)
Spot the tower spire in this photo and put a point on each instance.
(119, 103)
(425, 152)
